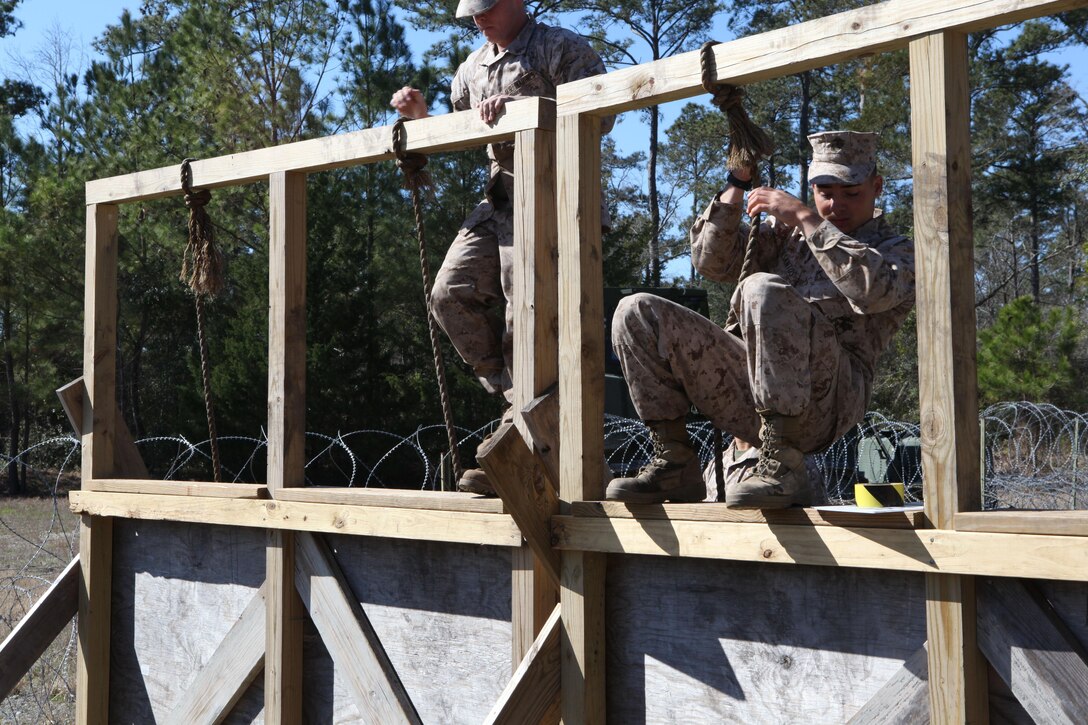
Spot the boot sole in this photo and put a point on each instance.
(762, 501)
(681, 494)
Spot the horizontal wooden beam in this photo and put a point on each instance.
(446, 132)
(393, 498)
(51, 613)
(394, 523)
(205, 489)
(813, 44)
(925, 550)
(1051, 523)
(717, 512)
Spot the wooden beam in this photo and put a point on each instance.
(1053, 523)
(929, 551)
(532, 695)
(904, 698)
(393, 498)
(1038, 659)
(519, 480)
(284, 620)
(395, 523)
(286, 331)
(448, 132)
(532, 591)
(51, 613)
(127, 458)
(947, 385)
(233, 667)
(93, 623)
(872, 29)
(581, 413)
(541, 419)
(205, 489)
(100, 342)
(717, 512)
(360, 659)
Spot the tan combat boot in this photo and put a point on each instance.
(673, 473)
(779, 478)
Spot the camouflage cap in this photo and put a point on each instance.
(469, 8)
(842, 157)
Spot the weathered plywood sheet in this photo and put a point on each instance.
(177, 591)
(710, 642)
(442, 612)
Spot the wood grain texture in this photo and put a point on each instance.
(718, 512)
(284, 615)
(582, 646)
(51, 613)
(707, 642)
(447, 132)
(541, 418)
(1051, 523)
(127, 459)
(286, 331)
(533, 693)
(100, 342)
(349, 637)
(903, 699)
(205, 489)
(233, 667)
(94, 620)
(786, 51)
(1024, 641)
(927, 551)
(393, 498)
(519, 480)
(398, 523)
(532, 592)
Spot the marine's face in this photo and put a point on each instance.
(847, 207)
(502, 22)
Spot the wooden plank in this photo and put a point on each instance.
(393, 498)
(903, 699)
(451, 526)
(582, 603)
(93, 628)
(813, 44)
(127, 458)
(532, 591)
(284, 619)
(532, 696)
(447, 132)
(519, 480)
(1021, 636)
(928, 551)
(230, 671)
(1051, 523)
(100, 342)
(718, 512)
(948, 385)
(286, 331)
(350, 639)
(204, 489)
(541, 419)
(51, 613)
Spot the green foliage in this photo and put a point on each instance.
(1029, 354)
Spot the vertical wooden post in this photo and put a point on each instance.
(581, 401)
(944, 249)
(536, 349)
(286, 438)
(96, 533)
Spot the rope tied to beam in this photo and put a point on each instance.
(417, 180)
(202, 270)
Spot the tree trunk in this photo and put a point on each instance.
(655, 211)
(13, 408)
(804, 124)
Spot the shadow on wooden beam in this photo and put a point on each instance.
(532, 696)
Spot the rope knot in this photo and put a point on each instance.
(197, 199)
(748, 143)
(411, 164)
(201, 262)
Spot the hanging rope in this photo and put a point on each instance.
(202, 270)
(416, 179)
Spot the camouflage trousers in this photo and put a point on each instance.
(789, 361)
(472, 296)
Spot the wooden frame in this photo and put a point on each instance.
(562, 325)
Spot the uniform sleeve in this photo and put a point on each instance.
(873, 277)
(718, 241)
(459, 93)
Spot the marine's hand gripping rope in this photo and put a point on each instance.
(415, 180)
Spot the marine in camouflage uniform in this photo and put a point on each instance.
(812, 320)
(472, 295)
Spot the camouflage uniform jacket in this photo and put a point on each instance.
(863, 284)
(539, 59)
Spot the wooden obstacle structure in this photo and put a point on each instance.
(400, 606)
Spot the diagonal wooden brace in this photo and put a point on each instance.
(126, 456)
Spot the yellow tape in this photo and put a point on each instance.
(878, 495)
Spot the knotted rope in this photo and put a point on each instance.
(202, 270)
(416, 180)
